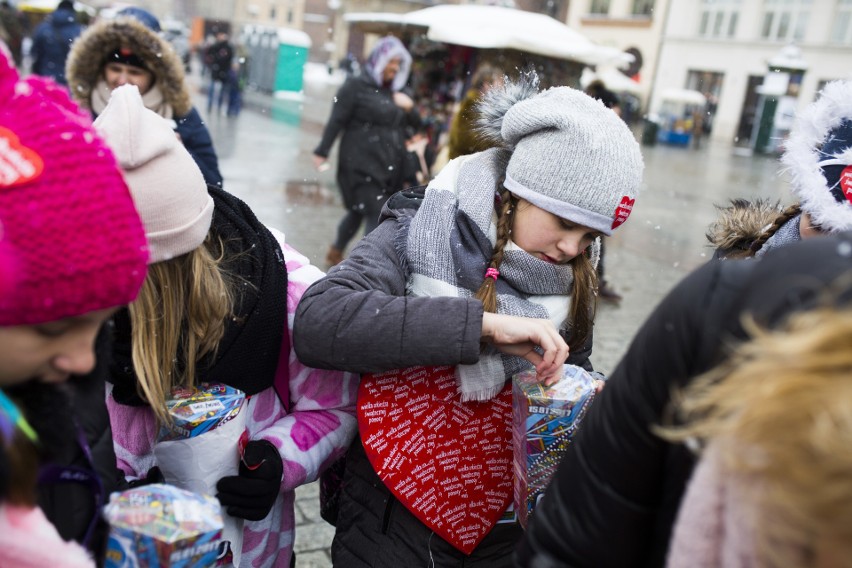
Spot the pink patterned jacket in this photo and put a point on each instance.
(317, 430)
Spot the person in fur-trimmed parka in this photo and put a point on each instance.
(128, 49)
(818, 156)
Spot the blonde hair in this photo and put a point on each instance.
(178, 319)
(781, 412)
(581, 311)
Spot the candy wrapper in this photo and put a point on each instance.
(159, 526)
(544, 420)
(203, 445)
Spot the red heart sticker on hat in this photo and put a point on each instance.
(449, 462)
(622, 212)
(18, 164)
(846, 182)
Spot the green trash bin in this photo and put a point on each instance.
(650, 131)
(293, 47)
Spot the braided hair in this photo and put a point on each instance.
(779, 222)
(582, 308)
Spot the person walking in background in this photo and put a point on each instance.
(129, 50)
(215, 308)
(13, 29)
(615, 497)
(372, 112)
(792, 506)
(72, 250)
(488, 271)
(818, 156)
(52, 41)
(597, 90)
(463, 138)
(220, 57)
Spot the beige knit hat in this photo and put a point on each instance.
(167, 186)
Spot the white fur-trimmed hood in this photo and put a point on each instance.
(802, 157)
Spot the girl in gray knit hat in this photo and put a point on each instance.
(488, 271)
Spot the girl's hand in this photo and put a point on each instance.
(520, 336)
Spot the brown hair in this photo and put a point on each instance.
(582, 308)
(21, 459)
(781, 413)
(180, 312)
(779, 221)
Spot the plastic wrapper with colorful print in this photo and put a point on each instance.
(544, 420)
(159, 526)
(202, 445)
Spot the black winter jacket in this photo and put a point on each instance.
(615, 497)
(372, 149)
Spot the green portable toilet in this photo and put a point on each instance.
(293, 46)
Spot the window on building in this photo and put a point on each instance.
(841, 31)
(719, 18)
(600, 7)
(785, 20)
(643, 8)
(272, 13)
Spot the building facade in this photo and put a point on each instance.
(748, 56)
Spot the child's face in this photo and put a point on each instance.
(50, 352)
(546, 236)
(118, 74)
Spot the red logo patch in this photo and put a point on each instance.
(622, 212)
(846, 182)
(18, 164)
(448, 462)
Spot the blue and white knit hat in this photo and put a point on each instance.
(818, 156)
(571, 156)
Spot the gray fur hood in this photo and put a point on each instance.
(90, 50)
(739, 224)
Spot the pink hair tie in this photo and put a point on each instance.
(492, 273)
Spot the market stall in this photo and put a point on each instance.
(679, 114)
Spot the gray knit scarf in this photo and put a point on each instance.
(450, 244)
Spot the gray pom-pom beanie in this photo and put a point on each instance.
(571, 155)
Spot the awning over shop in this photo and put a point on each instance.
(47, 6)
(495, 27)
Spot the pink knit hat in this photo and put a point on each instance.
(71, 241)
(167, 186)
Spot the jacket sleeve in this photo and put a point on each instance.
(601, 507)
(196, 139)
(342, 110)
(359, 319)
(320, 422)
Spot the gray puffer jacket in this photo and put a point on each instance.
(359, 319)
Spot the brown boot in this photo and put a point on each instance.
(333, 256)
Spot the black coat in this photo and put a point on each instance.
(372, 148)
(615, 497)
(58, 415)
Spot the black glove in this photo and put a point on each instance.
(251, 494)
(154, 475)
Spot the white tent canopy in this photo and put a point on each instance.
(613, 79)
(495, 27)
